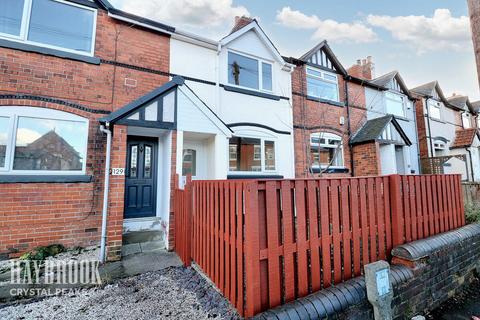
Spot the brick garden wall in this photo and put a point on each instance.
(33, 214)
(366, 159)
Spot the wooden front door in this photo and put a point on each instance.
(141, 177)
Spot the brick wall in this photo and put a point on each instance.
(366, 159)
(70, 213)
(421, 128)
(312, 117)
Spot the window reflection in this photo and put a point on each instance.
(3, 140)
(148, 162)
(245, 154)
(189, 162)
(47, 144)
(133, 161)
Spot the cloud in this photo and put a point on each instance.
(26, 136)
(439, 32)
(331, 30)
(192, 13)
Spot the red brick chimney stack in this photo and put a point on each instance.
(241, 22)
(364, 69)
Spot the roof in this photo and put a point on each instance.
(476, 106)
(255, 26)
(122, 112)
(464, 138)
(459, 102)
(384, 80)
(428, 90)
(325, 47)
(125, 16)
(373, 129)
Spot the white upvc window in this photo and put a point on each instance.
(322, 84)
(249, 72)
(39, 141)
(395, 104)
(55, 24)
(466, 120)
(326, 150)
(434, 109)
(252, 155)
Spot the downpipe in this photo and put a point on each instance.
(106, 189)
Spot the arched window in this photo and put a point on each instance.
(42, 141)
(326, 150)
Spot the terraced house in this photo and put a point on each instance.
(448, 132)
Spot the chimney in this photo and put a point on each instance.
(240, 22)
(364, 69)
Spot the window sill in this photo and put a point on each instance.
(329, 170)
(4, 43)
(45, 178)
(252, 93)
(331, 102)
(253, 176)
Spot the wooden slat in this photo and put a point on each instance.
(380, 219)
(326, 234)
(387, 214)
(356, 231)
(233, 244)
(364, 221)
(274, 290)
(222, 236)
(347, 254)
(302, 266)
(288, 245)
(337, 256)
(228, 239)
(435, 212)
(314, 239)
(413, 209)
(372, 221)
(240, 258)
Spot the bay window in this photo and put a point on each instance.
(42, 141)
(326, 150)
(249, 72)
(395, 104)
(53, 24)
(322, 84)
(251, 155)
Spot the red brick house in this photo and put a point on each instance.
(328, 107)
(63, 66)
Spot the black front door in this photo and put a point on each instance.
(141, 177)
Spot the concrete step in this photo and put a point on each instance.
(142, 242)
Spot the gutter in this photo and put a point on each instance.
(349, 130)
(106, 189)
(137, 23)
(217, 78)
(471, 163)
(428, 124)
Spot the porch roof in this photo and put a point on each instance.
(372, 130)
(464, 138)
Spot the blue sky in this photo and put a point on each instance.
(424, 39)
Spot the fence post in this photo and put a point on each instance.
(252, 251)
(397, 224)
(189, 220)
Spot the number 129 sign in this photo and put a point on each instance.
(118, 171)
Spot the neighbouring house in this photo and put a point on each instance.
(243, 82)
(391, 126)
(64, 65)
(447, 132)
(328, 105)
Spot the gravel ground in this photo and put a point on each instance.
(172, 293)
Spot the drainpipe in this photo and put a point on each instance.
(105, 193)
(471, 163)
(217, 78)
(349, 131)
(419, 163)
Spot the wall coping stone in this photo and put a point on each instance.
(333, 300)
(421, 249)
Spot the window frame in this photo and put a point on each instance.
(322, 78)
(262, 171)
(437, 105)
(260, 62)
(14, 112)
(25, 23)
(466, 117)
(332, 136)
(404, 102)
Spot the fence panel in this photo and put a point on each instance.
(266, 242)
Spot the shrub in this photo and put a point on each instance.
(472, 212)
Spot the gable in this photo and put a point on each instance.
(251, 44)
(395, 85)
(322, 59)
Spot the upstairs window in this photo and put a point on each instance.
(251, 155)
(395, 104)
(248, 72)
(322, 84)
(42, 141)
(434, 109)
(326, 150)
(55, 24)
(466, 121)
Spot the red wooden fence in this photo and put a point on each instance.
(264, 243)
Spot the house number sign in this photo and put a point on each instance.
(383, 284)
(118, 171)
